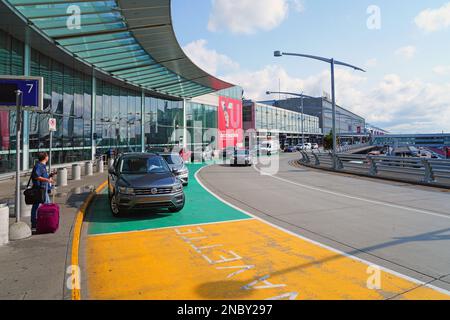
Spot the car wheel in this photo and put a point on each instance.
(109, 190)
(176, 209)
(114, 206)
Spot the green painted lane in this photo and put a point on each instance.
(201, 207)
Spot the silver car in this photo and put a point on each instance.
(143, 181)
(178, 167)
(242, 158)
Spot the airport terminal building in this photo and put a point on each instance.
(114, 77)
(350, 127)
(268, 121)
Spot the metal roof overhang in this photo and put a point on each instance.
(130, 40)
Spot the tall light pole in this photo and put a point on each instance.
(302, 96)
(332, 63)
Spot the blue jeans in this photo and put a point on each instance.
(34, 210)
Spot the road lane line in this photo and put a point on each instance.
(339, 194)
(420, 283)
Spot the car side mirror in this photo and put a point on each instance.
(112, 171)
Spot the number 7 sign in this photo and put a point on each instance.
(32, 89)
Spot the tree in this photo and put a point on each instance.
(328, 141)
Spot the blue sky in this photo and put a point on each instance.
(406, 88)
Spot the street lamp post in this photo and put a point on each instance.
(332, 63)
(302, 96)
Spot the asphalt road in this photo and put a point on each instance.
(402, 227)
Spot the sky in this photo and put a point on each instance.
(404, 45)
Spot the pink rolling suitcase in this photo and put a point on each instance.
(47, 218)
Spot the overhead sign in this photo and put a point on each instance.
(32, 89)
(52, 124)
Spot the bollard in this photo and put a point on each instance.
(25, 210)
(76, 172)
(61, 180)
(100, 167)
(4, 224)
(89, 169)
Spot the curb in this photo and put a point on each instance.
(75, 276)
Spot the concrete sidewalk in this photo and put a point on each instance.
(35, 268)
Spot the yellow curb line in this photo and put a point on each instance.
(75, 277)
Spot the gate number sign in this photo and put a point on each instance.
(31, 87)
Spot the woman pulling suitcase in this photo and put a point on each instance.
(43, 213)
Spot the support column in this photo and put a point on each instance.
(184, 125)
(93, 108)
(143, 122)
(26, 116)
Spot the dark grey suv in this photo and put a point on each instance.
(143, 181)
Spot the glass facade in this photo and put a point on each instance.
(346, 121)
(281, 120)
(201, 122)
(117, 118)
(163, 122)
(67, 98)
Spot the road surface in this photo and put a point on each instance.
(299, 234)
(400, 226)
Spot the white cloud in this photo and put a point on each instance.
(431, 20)
(442, 70)
(407, 52)
(400, 106)
(209, 60)
(250, 16)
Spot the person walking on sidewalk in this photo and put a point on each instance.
(41, 180)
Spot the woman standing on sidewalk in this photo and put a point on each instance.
(41, 180)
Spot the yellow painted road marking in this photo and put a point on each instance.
(238, 260)
(76, 294)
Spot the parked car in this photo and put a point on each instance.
(269, 147)
(304, 146)
(242, 158)
(178, 167)
(228, 152)
(290, 149)
(143, 181)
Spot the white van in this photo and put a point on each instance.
(269, 147)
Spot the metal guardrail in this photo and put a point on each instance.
(435, 172)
